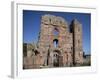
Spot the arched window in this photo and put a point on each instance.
(56, 32)
(55, 42)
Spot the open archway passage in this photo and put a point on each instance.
(56, 59)
(55, 43)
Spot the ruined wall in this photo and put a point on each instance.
(50, 24)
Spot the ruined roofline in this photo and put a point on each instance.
(52, 18)
(75, 21)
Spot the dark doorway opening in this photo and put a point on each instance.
(56, 60)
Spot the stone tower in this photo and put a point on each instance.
(77, 42)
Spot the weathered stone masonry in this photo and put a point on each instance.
(58, 44)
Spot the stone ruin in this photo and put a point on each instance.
(59, 45)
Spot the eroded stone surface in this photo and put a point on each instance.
(58, 44)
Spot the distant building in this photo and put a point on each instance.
(87, 59)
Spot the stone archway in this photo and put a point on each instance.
(57, 58)
(55, 43)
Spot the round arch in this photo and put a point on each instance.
(57, 58)
(55, 43)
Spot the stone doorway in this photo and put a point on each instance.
(57, 59)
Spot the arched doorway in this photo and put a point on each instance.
(57, 58)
